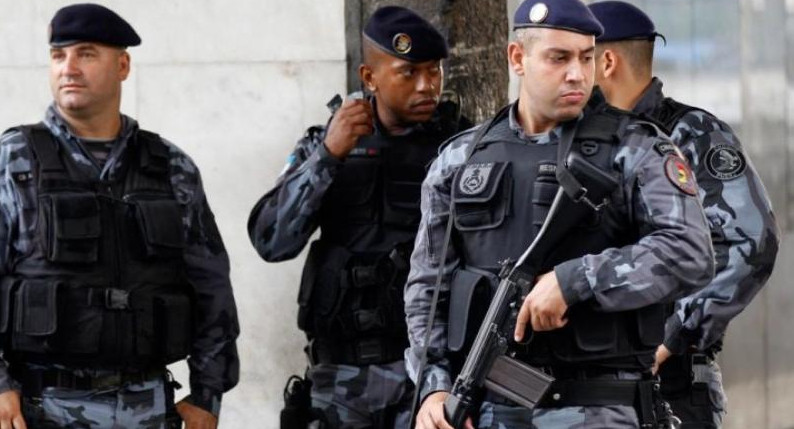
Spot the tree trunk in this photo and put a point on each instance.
(476, 31)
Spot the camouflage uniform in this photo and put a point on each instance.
(213, 361)
(281, 224)
(745, 238)
(672, 257)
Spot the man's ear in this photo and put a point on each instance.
(515, 57)
(367, 76)
(124, 65)
(610, 63)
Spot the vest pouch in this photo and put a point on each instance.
(593, 331)
(8, 287)
(543, 192)
(71, 227)
(161, 228)
(351, 197)
(35, 316)
(481, 195)
(470, 295)
(321, 291)
(403, 185)
(650, 324)
(173, 322)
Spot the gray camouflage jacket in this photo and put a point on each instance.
(213, 361)
(743, 228)
(673, 258)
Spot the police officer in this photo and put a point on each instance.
(112, 265)
(358, 180)
(595, 309)
(744, 233)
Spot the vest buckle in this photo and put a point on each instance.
(117, 299)
(581, 196)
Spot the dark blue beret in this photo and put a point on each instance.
(571, 15)
(623, 21)
(87, 22)
(404, 34)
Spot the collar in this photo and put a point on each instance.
(651, 98)
(515, 126)
(60, 128)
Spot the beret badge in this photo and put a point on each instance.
(538, 13)
(401, 43)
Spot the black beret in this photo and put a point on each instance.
(404, 34)
(87, 22)
(623, 21)
(570, 15)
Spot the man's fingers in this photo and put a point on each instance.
(424, 421)
(469, 423)
(19, 423)
(521, 321)
(362, 130)
(439, 420)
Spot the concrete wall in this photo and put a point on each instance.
(234, 83)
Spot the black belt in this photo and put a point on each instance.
(370, 351)
(592, 393)
(34, 381)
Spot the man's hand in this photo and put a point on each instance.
(11, 411)
(662, 353)
(544, 307)
(351, 121)
(431, 413)
(194, 417)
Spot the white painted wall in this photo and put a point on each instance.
(234, 83)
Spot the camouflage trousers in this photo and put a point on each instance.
(502, 416)
(353, 397)
(139, 405)
(698, 406)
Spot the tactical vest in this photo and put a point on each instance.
(501, 197)
(104, 284)
(352, 286)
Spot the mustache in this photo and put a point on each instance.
(425, 100)
(72, 82)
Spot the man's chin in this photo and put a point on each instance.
(568, 113)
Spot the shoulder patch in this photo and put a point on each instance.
(680, 175)
(725, 162)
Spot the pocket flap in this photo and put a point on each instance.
(76, 216)
(36, 308)
(467, 288)
(478, 183)
(160, 222)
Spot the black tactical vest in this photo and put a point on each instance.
(352, 286)
(104, 284)
(501, 197)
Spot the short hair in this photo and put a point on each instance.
(638, 53)
(526, 37)
(371, 54)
